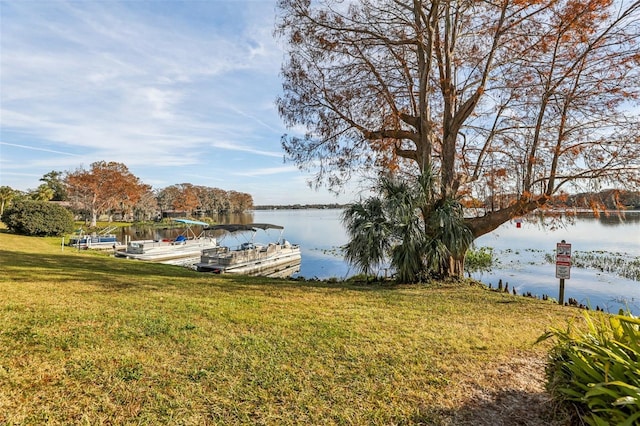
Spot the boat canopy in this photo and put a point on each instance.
(248, 227)
(265, 226)
(191, 222)
(231, 228)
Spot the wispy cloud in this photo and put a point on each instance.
(36, 148)
(242, 148)
(267, 171)
(164, 87)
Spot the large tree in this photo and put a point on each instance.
(55, 181)
(147, 207)
(104, 187)
(185, 197)
(240, 201)
(528, 98)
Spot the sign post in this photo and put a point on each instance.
(563, 266)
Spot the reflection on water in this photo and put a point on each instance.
(614, 218)
(318, 232)
(520, 252)
(159, 232)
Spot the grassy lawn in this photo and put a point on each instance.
(87, 338)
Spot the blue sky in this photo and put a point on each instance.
(179, 91)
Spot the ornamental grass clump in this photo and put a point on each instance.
(596, 368)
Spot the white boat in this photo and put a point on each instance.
(100, 239)
(187, 245)
(274, 259)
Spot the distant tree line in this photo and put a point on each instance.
(609, 199)
(299, 206)
(109, 188)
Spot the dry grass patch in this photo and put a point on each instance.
(87, 338)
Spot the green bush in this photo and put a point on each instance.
(480, 260)
(596, 367)
(38, 218)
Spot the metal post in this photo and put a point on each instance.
(563, 266)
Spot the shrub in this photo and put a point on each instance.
(480, 260)
(596, 367)
(38, 218)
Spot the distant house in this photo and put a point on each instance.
(67, 204)
(168, 214)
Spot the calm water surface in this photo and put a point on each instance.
(519, 251)
(520, 254)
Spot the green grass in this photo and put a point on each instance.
(87, 338)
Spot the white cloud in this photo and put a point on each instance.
(168, 88)
(35, 148)
(267, 171)
(241, 148)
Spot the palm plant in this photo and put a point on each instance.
(450, 237)
(42, 193)
(402, 201)
(368, 229)
(6, 194)
(423, 233)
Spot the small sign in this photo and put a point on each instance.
(563, 260)
(563, 271)
(563, 250)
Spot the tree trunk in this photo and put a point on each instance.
(487, 223)
(492, 220)
(94, 218)
(456, 268)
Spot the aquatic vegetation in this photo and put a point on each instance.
(335, 251)
(622, 264)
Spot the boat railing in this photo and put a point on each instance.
(142, 246)
(107, 230)
(225, 257)
(234, 257)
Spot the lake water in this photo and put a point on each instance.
(520, 253)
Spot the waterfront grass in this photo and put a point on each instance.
(88, 338)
